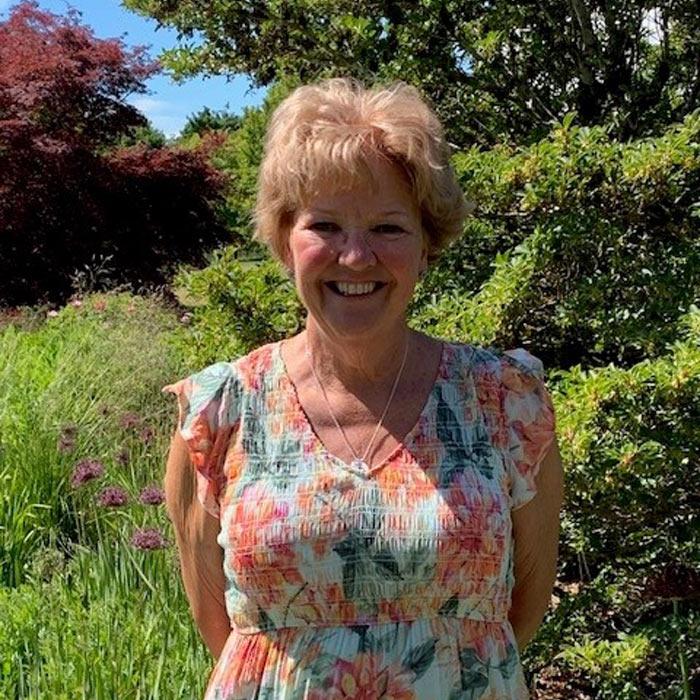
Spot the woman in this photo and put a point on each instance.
(350, 503)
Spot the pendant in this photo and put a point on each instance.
(359, 465)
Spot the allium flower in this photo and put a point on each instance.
(122, 457)
(99, 304)
(152, 496)
(86, 470)
(130, 420)
(66, 441)
(148, 538)
(76, 302)
(113, 496)
(52, 314)
(147, 435)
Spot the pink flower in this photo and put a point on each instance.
(113, 497)
(147, 435)
(130, 420)
(86, 470)
(148, 538)
(66, 441)
(152, 496)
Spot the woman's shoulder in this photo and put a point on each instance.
(489, 359)
(253, 368)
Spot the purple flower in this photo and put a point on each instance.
(148, 538)
(123, 457)
(147, 435)
(86, 470)
(130, 420)
(113, 496)
(152, 496)
(66, 441)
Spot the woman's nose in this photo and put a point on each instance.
(356, 252)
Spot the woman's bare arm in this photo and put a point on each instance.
(201, 557)
(536, 533)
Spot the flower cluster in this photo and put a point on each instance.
(152, 496)
(148, 538)
(112, 497)
(66, 441)
(86, 470)
(130, 420)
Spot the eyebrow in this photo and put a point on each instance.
(330, 212)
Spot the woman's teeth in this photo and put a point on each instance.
(352, 289)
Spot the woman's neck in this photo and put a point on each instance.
(354, 363)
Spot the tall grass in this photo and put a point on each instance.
(85, 613)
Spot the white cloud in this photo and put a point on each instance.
(164, 115)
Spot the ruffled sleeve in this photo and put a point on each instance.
(529, 421)
(208, 414)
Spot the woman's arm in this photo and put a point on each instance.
(536, 535)
(201, 557)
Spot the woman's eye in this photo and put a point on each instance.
(387, 228)
(324, 226)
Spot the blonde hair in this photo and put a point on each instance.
(327, 132)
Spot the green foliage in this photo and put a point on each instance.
(239, 157)
(147, 135)
(85, 368)
(631, 447)
(210, 120)
(496, 71)
(577, 248)
(238, 305)
(612, 663)
(68, 641)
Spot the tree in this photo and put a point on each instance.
(58, 79)
(496, 70)
(210, 120)
(68, 198)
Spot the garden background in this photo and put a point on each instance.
(126, 262)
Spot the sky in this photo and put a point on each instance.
(167, 105)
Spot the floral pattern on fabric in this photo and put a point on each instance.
(394, 583)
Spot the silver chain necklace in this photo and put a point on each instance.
(358, 463)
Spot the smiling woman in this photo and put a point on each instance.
(367, 483)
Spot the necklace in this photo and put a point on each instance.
(359, 463)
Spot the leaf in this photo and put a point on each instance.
(386, 561)
(449, 606)
(473, 672)
(420, 657)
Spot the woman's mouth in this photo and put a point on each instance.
(354, 289)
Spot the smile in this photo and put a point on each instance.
(354, 289)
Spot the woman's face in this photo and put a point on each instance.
(357, 253)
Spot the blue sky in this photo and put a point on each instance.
(168, 105)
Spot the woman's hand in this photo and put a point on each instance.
(201, 557)
(536, 535)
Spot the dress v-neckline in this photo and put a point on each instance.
(320, 445)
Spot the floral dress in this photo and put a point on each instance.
(393, 583)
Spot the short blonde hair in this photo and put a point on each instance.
(327, 132)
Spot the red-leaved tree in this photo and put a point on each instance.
(68, 197)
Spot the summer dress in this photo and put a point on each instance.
(392, 583)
